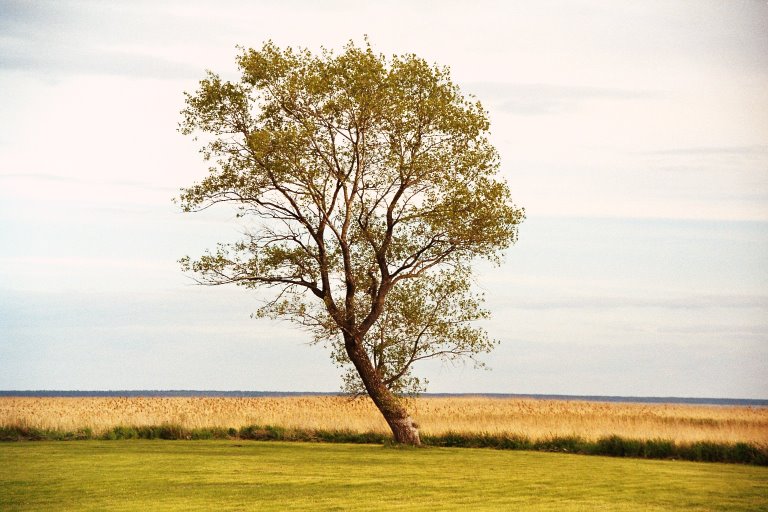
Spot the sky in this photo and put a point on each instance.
(635, 134)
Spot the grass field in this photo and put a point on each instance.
(227, 475)
(535, 419)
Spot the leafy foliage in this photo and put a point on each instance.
(425, 318)
(371, 186)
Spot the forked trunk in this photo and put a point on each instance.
(403, 427)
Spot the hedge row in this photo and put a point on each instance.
(614, 446)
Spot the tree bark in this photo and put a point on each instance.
(404, 429)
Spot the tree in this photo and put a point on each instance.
(372, 188)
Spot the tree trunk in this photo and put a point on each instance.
(403, 427)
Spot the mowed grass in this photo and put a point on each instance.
(228, 475)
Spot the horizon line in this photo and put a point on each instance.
(190, 393)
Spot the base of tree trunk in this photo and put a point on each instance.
(405, 431)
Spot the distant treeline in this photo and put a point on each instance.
(248, 394)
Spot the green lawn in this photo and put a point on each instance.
(227, 475)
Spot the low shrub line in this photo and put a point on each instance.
(176, 432)
(613, 446)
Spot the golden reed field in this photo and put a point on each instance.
(536, 419)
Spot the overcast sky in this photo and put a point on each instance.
(635, 134)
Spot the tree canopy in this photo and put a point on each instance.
(370, 186)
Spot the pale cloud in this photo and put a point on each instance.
(549, 99)
(80, 61)
(693, 302)
(754, 150)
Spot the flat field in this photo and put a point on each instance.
(264, 476)
(535, 419)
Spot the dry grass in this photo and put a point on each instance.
(540, 419)
(536, 419)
